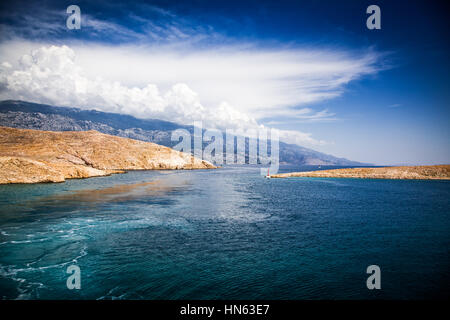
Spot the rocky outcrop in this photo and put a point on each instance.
(30, 156)
(439, 172)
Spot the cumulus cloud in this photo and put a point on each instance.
(50, 75)
(225, 88)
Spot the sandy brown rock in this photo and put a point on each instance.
(439, 172)
(30, 156)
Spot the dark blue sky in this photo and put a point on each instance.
(399, 114)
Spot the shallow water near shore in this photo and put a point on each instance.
(225, 234)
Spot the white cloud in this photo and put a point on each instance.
(37, 21)
(228, 87)
(169, 67)
(302, 115)
(263, 82)
(50, 75)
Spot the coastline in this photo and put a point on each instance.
(34, 156)
(436, 172)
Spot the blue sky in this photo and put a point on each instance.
(309, 68)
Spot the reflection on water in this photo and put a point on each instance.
(121, 192)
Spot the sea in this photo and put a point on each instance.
(227, 233)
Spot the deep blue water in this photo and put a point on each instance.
(225, 234)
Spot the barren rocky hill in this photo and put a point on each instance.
(30, 156)
(441, 172)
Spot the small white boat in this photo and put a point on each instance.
(268, 174)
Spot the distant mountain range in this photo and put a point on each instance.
(26, 115)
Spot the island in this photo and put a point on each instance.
(437, 172)
(33, 156)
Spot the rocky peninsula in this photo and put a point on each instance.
(438, 172)
(32, 156)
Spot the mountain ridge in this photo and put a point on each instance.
(29, 115)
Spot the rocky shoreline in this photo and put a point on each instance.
(438, 172)
(33, 156)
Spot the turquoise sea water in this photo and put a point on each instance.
(224, 234)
